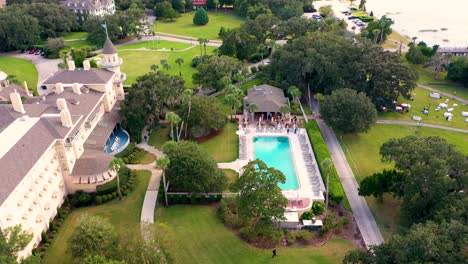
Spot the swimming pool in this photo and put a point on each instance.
(276, 153)
(117, 141)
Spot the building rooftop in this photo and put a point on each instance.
(109, 48)
(86, 4)
(91, 76)
(267, 98)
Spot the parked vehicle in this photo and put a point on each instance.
(38, 52)
(351, 17)
(32, 51)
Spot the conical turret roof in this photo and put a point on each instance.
(109, 48)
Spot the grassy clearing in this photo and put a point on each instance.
(124, 215)
(75, 35)
(159, 136)
(145, 58)
(362, 152)
(79, 44)
(197, 235)
(421, 100)
(155, 44)
(184, 25)
(24, 70)
(224, 147)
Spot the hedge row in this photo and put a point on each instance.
(135, 157)
(125, 187)
(321, 153)
(187, 198)
(127, 151)
(110, 187)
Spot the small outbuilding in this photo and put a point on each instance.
(268, 101)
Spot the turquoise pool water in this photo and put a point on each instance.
(276, 153)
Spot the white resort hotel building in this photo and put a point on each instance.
(58, 143)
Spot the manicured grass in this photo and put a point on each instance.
(250, 84)
(224, 147)
(196, 235)
(155, 44)
(148, 158)
(232, 176)
(137, 63)
(23, 70)
(124, 215)
(421, 100)
(184, 25)
(159, 136)
(78, 44)
(362, 152)
(75, 35)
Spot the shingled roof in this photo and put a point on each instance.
(267, 98)
(91, 76)
(109, 48)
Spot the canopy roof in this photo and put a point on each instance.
(267, 98)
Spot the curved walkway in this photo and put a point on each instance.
(365, 220)
(410, 123)
(151, 196)
(443, 93)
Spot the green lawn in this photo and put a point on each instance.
(421, 100)
(159, 136)
(137, 63)
(250, 84)
(184, 25)
(362, 152)
(225, 146)
(232, 176)
(196, 235)
(124, 215)
(24, 70)
(78, 44)
(155, 44)
(75, 35)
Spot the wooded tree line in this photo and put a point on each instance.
(23, 25)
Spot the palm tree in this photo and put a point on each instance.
(284, 109)
(232, 100)
(216, 3)
(328, 165)
(179, 61)
(154, 67)
(174, 119)
(200, 41)
(319, 97)
(376, 33)
(295, 93)
(165, 64)
(203, 41)
(261, 49)
(163, 163)
(252, 109)
(187, 97)
(114, 165)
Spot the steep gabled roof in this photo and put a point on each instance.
(109, 48)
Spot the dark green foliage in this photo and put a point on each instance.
(321, 153)
(98, 200)
(299, 235)
(217, 72)
(79, 55)
(384, 23)
(178, 5)
(110, 187)
(149, 96)
(205, 117)
(13, 240)
(136, 156)
(283, 9)
(347, 111)
(435, 177)
(379, 183)
(458, 71)
(164, 10)
(19, 30)
(308, 215)
(192, 169)
(326, 61)
(318, 208)
(81, 198)
(420, 53)
(127, 151)
(201, 17)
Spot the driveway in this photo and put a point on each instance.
(443, 93)
(365, 220)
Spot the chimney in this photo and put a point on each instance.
(66, 118)
(71, 65)
(76, 88)
(86, 65)
(26, 88)
(17, 102)
(58, 88)
(62, 104)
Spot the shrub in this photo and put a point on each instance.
(104, 198)
(201, 17)
(253, 69)
(98, 199)
(212, 198)
(303, 235)
(184, 198)
(176, 199)
(321, 153)
(109, 197)
(318, 208)
(114, 195)
(307, 215)
(248, 233)
(193, 199)
(82, 199)
(110, 187)
(219, 197)
(202, 198)
(44, 237)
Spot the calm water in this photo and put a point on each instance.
(276, 153)
(411, 16)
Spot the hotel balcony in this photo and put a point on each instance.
(106, 64)
(121, 78)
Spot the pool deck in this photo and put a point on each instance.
(300, 199)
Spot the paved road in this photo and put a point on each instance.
(443, 93)
(411, 123)
(364, 218)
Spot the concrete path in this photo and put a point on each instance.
(364, 218)
(410, 123)
(443, 93)
(236, 165)
(151, 196)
